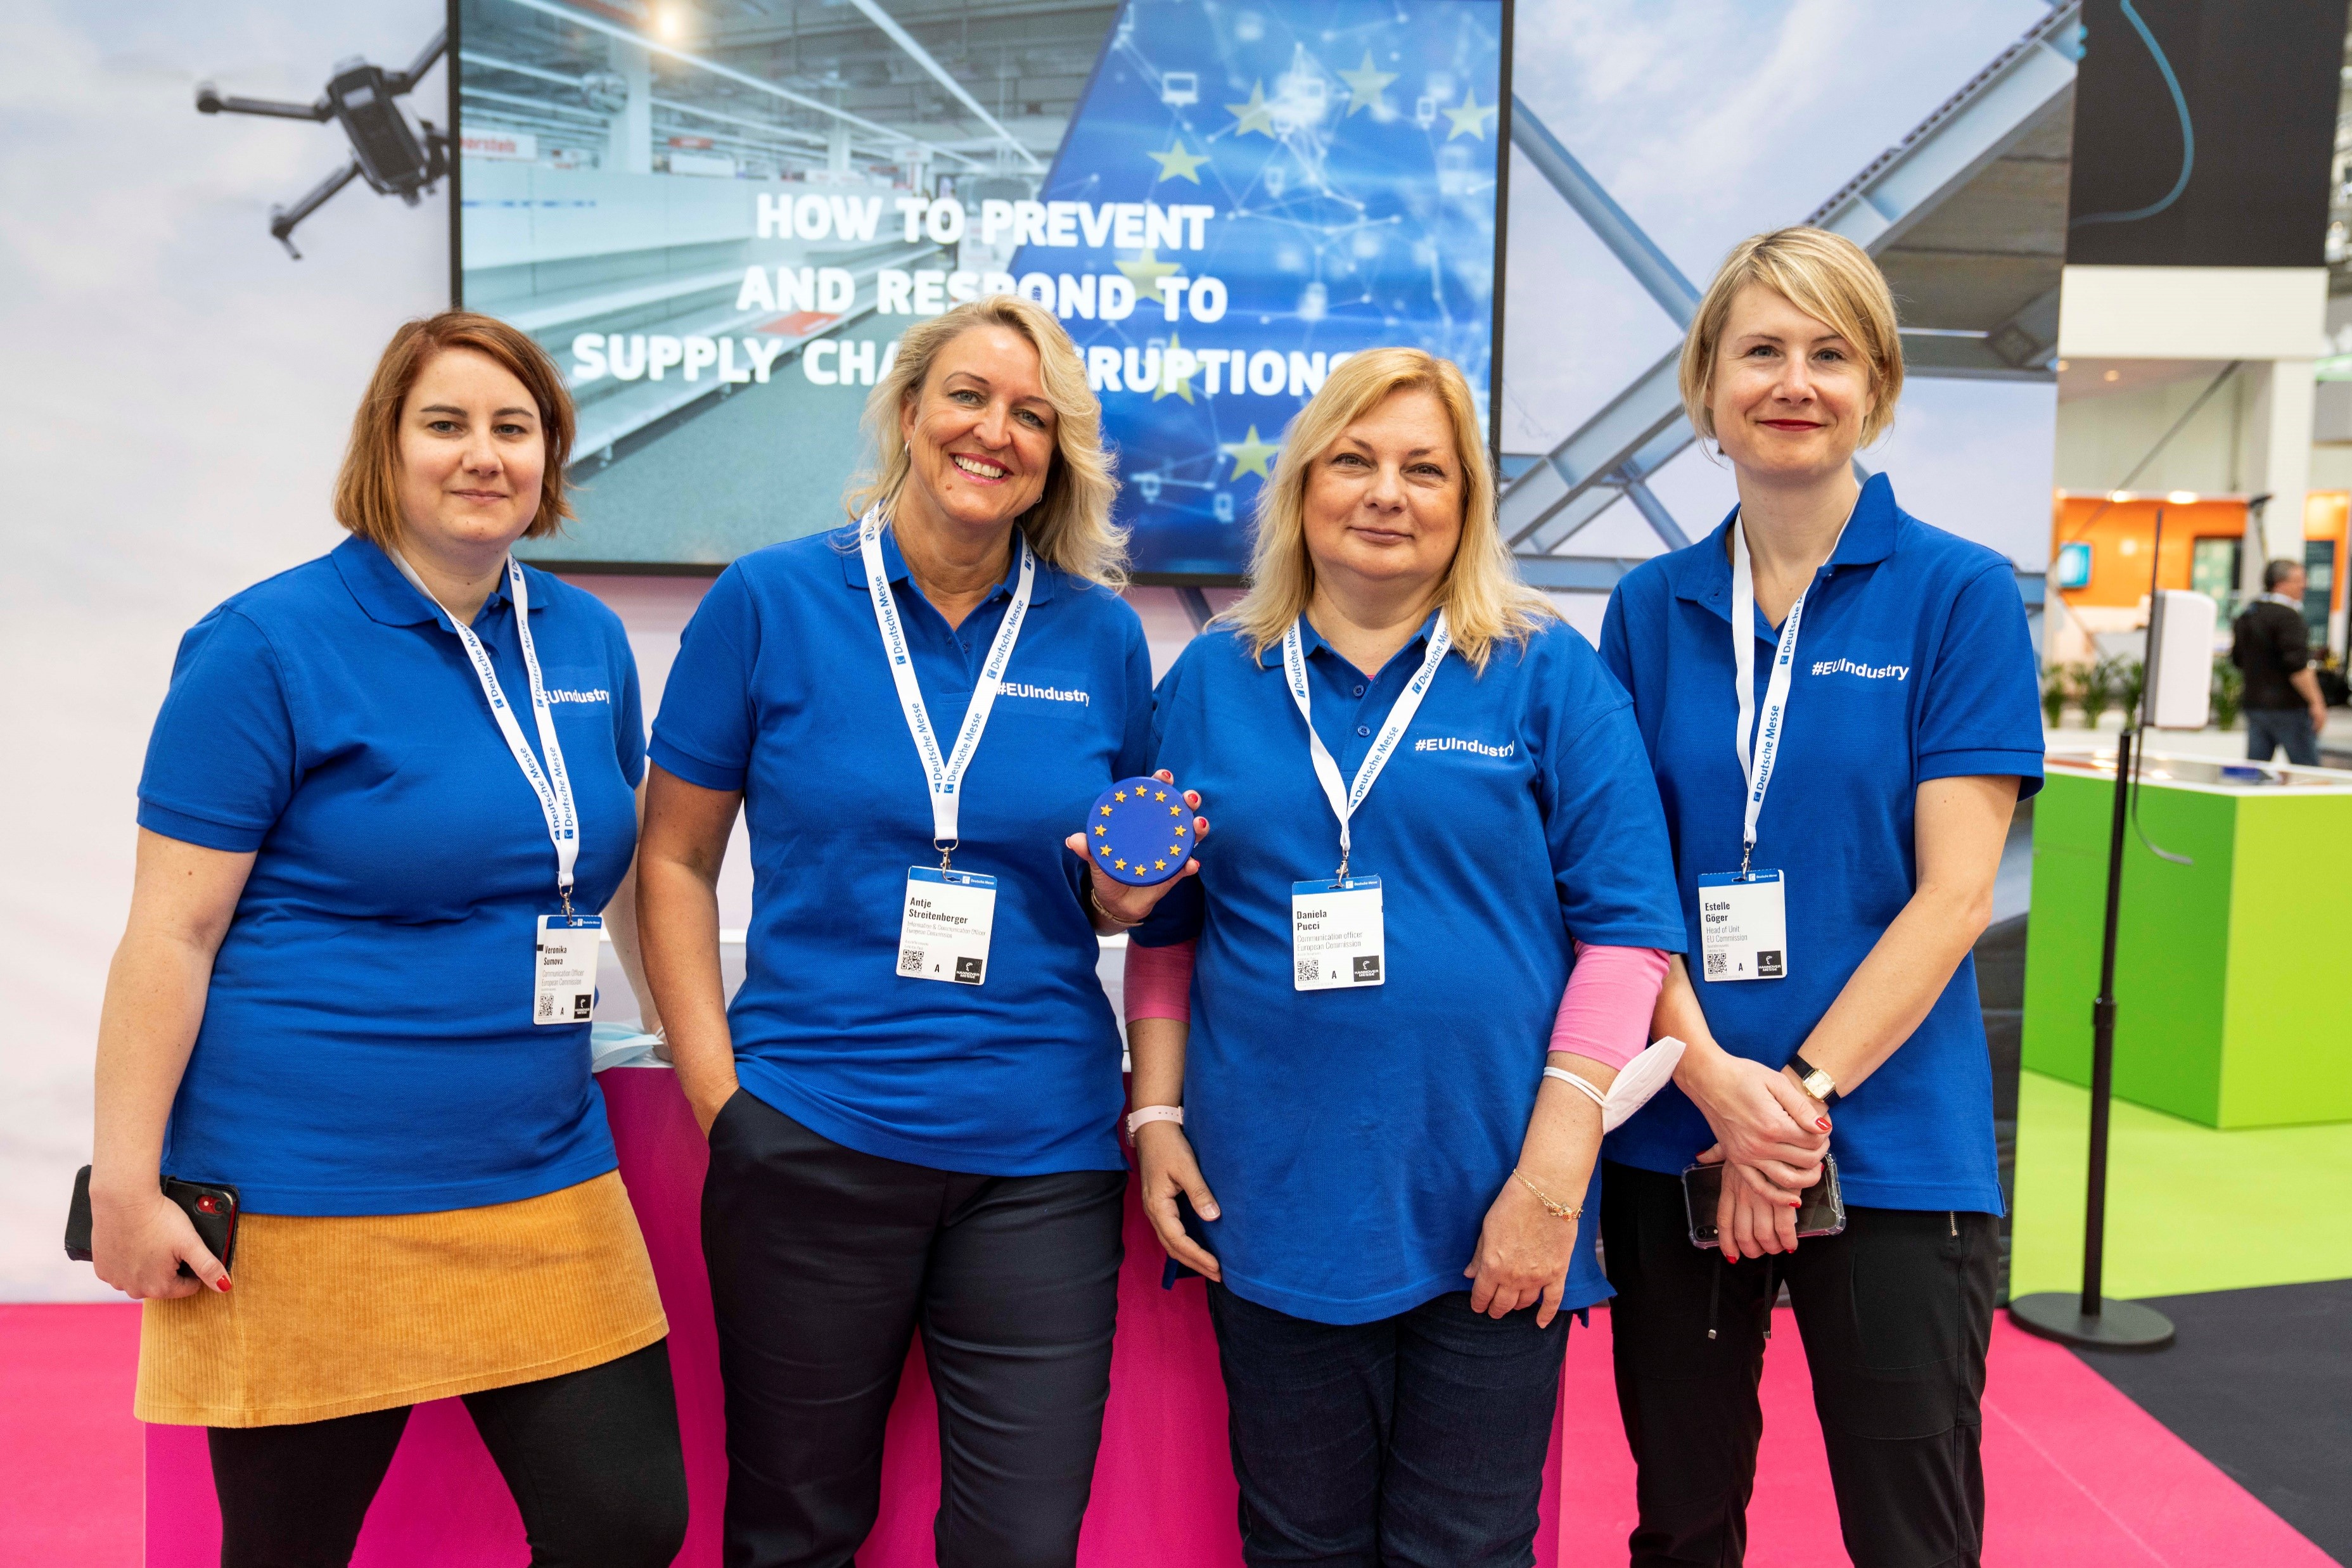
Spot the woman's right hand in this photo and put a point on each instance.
(1751, 1217)
(139, 1243)
(1765, 1124)
(1165, 1157)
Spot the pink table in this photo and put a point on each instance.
(1163, 1487)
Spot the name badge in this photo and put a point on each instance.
(1337, 938)
(1743, 926)
(943, 933)
(563, 970)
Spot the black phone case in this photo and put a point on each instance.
(211, 1209)
(1820, 1213)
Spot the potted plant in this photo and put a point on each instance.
(2057, 690)
(2096, 691)
(2131, 680)
(2229, 693)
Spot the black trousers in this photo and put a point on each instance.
(1895, 1312)
(591, 1458)
(824, 1262)
(1414, 1441)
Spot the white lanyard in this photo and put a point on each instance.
(945, 775)
(1758, 768)
(1344, 801)
(552, 784)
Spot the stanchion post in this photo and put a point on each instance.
(2091, 1320)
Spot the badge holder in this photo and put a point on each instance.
(1743, 926)
(944, 929)
(563, 989)
(1338, 938)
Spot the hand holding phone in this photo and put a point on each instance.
(1821, 1209)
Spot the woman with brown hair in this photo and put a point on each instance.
(911, 1101)
(1354, 1060)
(388, 793)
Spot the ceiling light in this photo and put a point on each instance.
(2113, 376)
(2182, 497)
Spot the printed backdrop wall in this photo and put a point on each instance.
(179, 386)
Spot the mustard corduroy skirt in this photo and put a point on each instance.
(339, 1315)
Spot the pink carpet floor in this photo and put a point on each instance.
(2076, 1474)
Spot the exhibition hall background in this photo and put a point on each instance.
(178, 388)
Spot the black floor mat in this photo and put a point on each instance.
(2260, 1381)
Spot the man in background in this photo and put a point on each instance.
(2282, 706)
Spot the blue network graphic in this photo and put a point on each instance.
(1349, 149)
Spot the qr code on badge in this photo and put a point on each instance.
(1309, 971)
(546, 1007)
(1718, 963)
(910, 960)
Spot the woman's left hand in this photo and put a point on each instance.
(1127, 905)
(1524, 1250)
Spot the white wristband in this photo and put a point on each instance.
(1579, 1084)
(1153, 1114)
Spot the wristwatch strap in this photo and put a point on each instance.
(1150, 1113)
(1816, 1082)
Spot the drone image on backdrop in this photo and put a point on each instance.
(385, 150)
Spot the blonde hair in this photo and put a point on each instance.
(367, 489)
(1070, 525)
(1827, 277)
(1482, 595)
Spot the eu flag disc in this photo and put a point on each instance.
(1140, 831)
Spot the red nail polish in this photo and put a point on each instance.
(1823, 1123)
(225, 1284)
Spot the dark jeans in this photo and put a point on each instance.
(824, 1261)
(591, 1458)
(2288, 729)
(1896, 1314)
(1416, 1441)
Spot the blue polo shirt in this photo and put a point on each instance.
(1912, 663)
(782, 690)
(367, 1044)
(1356, 1138)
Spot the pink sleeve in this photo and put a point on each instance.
(1604, 1014)
(1158, 983)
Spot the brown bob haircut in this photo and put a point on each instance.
(367, 491)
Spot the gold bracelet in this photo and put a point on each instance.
(1097, 905)
(1558, 1210)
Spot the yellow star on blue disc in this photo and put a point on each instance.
(1177, 163)
(1470, 120)
(1250, 456)
(1137, 848)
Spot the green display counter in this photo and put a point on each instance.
(2231, 1003)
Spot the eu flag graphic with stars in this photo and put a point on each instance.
(1139, 831)
(1342, 155)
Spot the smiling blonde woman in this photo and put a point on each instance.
(1350, 1027)
(904, 1137)
(1891, 661)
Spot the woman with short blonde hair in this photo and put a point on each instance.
(1375, 1064)
(1840, 706)
(910, 1101)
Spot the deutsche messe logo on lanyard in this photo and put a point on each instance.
(1338, 937)
(564, 966)
(1743, 915)
(944, 927)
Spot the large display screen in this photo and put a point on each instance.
(719, 219)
